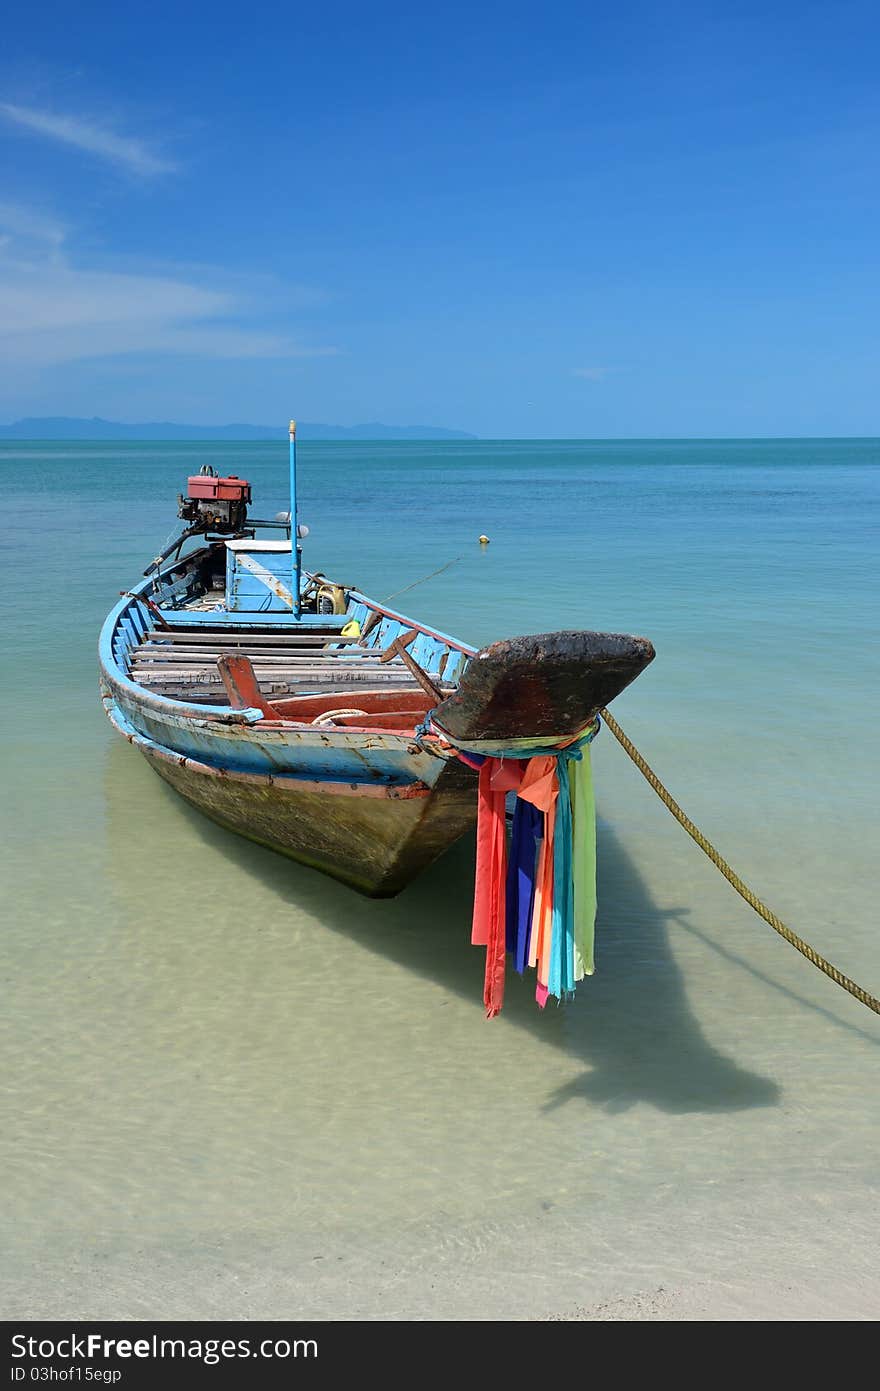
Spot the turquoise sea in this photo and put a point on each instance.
(236, 1089)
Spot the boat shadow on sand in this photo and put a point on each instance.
(631, 1025)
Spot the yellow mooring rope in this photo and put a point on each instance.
(732, 878)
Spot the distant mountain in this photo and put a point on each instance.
(61, 427)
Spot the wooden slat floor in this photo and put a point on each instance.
(184, 665)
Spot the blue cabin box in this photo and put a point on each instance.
(258, 576)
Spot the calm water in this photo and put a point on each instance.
(237, 1089)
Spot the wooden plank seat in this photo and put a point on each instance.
(148, 662)
(156, 650)
(190, 656)
(316, 678)
(224, 637)
(185, 665)
(150, 677)
(195, 677)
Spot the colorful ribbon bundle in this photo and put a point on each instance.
(539, 901)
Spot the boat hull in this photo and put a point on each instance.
(375, 839)
(371, 811)
(373, 798)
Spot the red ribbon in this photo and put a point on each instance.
(497, 778)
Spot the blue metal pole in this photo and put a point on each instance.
(294, 527)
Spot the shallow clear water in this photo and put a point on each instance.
(235, 1089)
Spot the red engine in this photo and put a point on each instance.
(218, 504)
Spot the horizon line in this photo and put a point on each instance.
(471, 439)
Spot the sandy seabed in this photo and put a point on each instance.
(778, 1255)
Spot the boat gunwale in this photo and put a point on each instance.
(332, 786)
(204, 714)
(374, 604)
(117, 678)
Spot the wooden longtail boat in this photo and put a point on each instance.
(288, 708)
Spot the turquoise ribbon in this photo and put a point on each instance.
(560, 980)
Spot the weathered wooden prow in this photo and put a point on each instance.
(243, 688)
(540, 685)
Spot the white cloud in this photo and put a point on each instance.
(134, 155)
(590, 374)
(20, 222)
(52, 310)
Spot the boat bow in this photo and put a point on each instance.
(547, 685)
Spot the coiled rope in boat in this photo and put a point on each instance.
(733, 878)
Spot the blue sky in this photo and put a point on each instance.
(521, 220)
